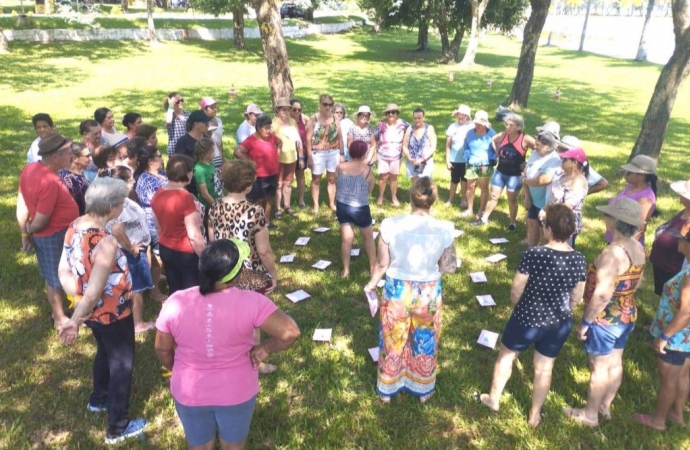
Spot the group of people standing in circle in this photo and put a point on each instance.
(107, 217)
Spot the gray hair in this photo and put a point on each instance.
(341, 106)
(103, 194)
(516, 119)
(624, 228)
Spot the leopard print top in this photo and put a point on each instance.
(242, 220)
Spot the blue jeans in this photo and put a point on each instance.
(603, 339)
(511, 183)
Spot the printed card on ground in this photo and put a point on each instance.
(297, 296)
(287, 258)
(496, 257)
(376, 234)
(373, 300)
(458, 262)
(381, 283)
(302, 241)
(488, 339)
(374, 353)
(321, 229)
(478, 277)
(486, 300)
(354, 252)
(323, 334)
(321, 264)
(500, 240)
(457, 233)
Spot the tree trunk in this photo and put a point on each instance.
(125, 5)
(519, 94)
(4, 43)
(642, 48)
(457, 40)
(378, 23)
(238, 27)
(656, 118)
(275, 52)
(423, 35)
(584, 27)
(478, 8)
(152, 25)
(451, 49)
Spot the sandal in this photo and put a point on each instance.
(279, 214)
(291, 211)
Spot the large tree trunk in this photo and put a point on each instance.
(423, 35)
(478, 8)
(275, 52)
(124, 4)
(238, 27)
(672, 75)
(4, 43)
(152, 25)
(519, 94)
(451, 50)
(642, 48)
(584, 27)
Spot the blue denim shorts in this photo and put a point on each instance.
(140, 270)
(603, 339)
(511, 183)
(200, 423)
(675, 358)
(547, 341)
(359, 216)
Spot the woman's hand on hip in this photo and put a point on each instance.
(258, 354)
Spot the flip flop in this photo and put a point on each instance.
(291, 211)
(279, 214)
(149, 327)
(579, 417)
(478, 398)
(646, 420)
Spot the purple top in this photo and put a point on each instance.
(647, 192)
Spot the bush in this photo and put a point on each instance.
(158, 10)
(116, 10)
(14, 13)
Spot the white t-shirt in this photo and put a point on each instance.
(217, 137)
(548, 164)
(32, 155)
(415, 244)
(457, 134)
(593, 177)
(244, 131)
(345, 126)
(134, 218)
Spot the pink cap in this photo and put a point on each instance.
(574, 153)
(206, 102)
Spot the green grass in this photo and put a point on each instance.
(323, 397)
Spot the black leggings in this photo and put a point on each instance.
(181, 269)
(112, 370)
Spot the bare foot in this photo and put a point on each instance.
(423, 399)
(332, 207)
(384, 399)
(605, 412)
(396, 202)
(535, 420)
(648, 421)
(344, 274)
(486, 400)
(379, 201)
(158, 296)
(315, 211)
(676, 420)
(578, 415)
(143, 327)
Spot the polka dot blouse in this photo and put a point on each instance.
(553, 275)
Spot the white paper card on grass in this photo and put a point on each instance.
(457, 233)
(287, 258)
(354, 252)
(302, 241)
(297, 296)
(321, 229)
(376, 234)
(478, 277)
(321, 264)
(381, 283)
(373, 300)
(496, 257)
(323, 334)
(374, 353)
(488, 339)
(499, 240)
(486, 300)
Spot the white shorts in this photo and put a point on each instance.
(325, 161)
(427, 172)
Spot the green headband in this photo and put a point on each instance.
(245, 251)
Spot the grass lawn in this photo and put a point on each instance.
(323, 396)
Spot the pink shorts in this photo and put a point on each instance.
(391, 166)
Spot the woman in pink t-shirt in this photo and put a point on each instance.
(211, 353)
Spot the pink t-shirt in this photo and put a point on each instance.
(213, 334)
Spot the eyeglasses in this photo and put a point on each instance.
(297, 110)
(328, 105)
(391, 113)
(367, 115)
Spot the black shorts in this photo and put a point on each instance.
(457, 172)
(674, 358)
(660, 279)
(264, 187)
(533, 212)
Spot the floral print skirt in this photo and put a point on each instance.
(408, 337)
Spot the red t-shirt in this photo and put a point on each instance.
(263, 153)
(171, 206)
(45, 193)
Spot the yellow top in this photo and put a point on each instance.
(290, 136)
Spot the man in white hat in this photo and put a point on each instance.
(455, 156)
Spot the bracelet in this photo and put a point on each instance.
(664, 338)
(170, 108)
(25, 235)
(587, 324)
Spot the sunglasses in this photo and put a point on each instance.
(391, 113)
(328, 105)
(296, 109)
(180, 100)
(339, 112)
(367, 115)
